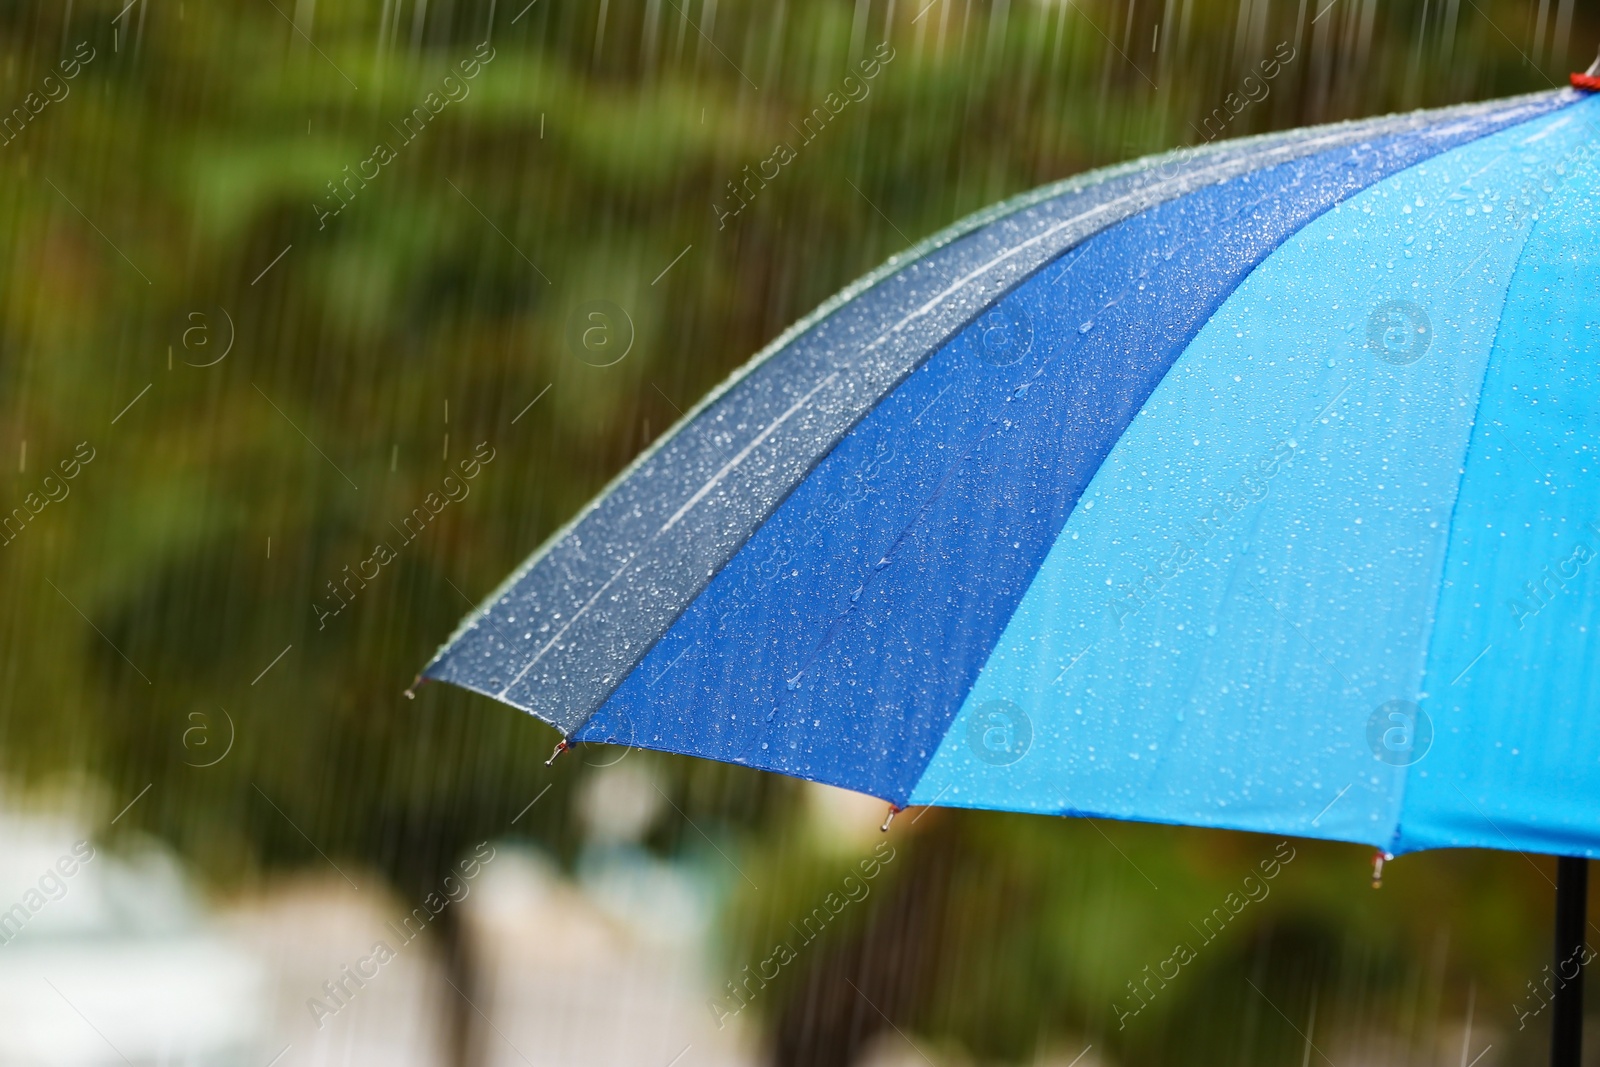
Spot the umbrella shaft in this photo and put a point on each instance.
(1572, 891)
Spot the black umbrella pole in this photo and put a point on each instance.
(1572, 897)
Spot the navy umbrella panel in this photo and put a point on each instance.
(1249, 487)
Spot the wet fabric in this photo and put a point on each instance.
(1134, 498)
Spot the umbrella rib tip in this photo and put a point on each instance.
(1378, 858)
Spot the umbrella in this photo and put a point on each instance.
(1252, 486)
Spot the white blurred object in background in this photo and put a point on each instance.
(620, 802)
(106, 959)
(609, 972)
(308, 928)
(112, 960)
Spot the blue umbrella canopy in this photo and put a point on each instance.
(1252, 486)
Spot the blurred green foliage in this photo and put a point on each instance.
(1002, 936)
(163, 211)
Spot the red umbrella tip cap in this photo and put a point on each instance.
(1587, 82)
